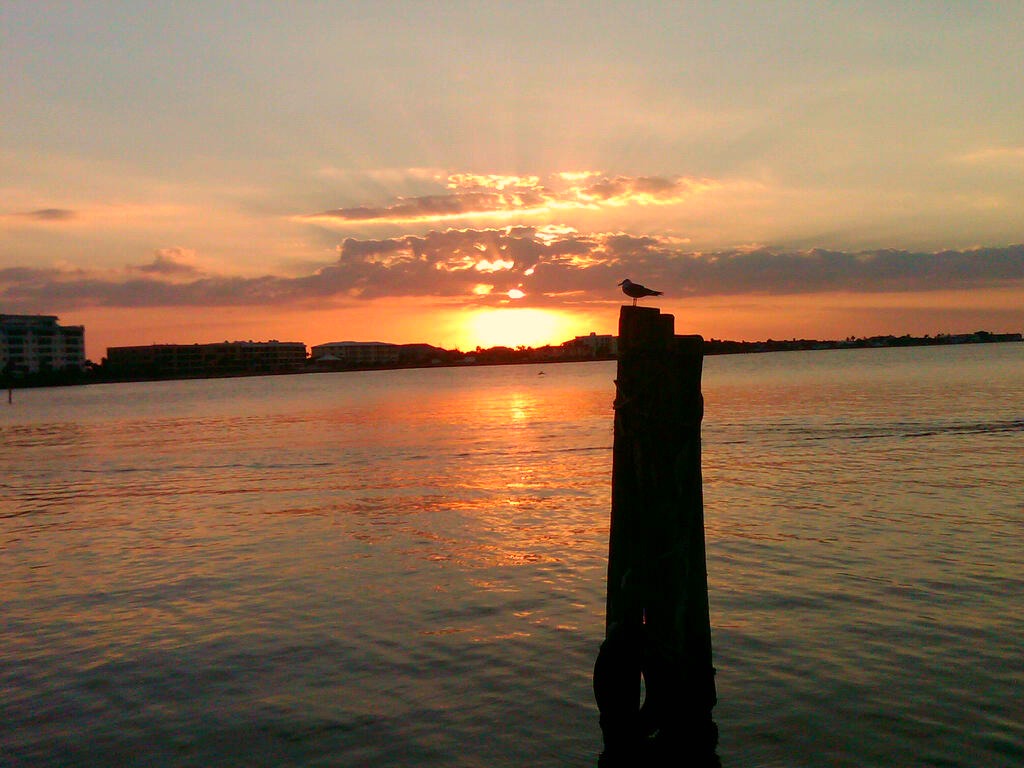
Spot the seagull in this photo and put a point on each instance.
(636, 291)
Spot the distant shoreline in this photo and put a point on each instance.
(527, 356)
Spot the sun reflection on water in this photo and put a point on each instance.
(328, 567)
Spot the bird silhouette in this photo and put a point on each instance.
(636, 291)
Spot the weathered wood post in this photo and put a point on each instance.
(657, 621)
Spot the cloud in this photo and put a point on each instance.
(91, 218)
(550, 267)
(52, 214)
(431, 208)
(475, 195)
(170, 262)
(43, 215)
(491, 181)
(389, 176)
(993, 156)
(641, 190)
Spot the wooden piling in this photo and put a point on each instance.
(657, 620)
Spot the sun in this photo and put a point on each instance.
(513, 327)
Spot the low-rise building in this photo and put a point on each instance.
(356, 353)
(592, 346)
(37, 343)
(195, 360)
(421, 354)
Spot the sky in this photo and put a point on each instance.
(479, 173)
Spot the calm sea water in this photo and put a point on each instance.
(406, 568)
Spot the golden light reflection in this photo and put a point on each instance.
(520, 407)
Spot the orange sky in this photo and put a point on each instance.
(831, 316)
(315, 174)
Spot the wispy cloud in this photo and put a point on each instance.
(474, 195)
(111, 216)
(1000, 155)
(52, 214)
(42, 215)
(538, 266)
(383, 175)
(170, 263)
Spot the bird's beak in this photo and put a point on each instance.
(620, 283)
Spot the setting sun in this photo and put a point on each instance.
(515, 327)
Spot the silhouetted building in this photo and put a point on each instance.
(419, 354)
(195, 360)
(356, 353)
(36, 343)
(594, 345)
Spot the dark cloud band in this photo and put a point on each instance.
(564, 270)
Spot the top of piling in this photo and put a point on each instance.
(647, 329)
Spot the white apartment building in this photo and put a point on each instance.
(33, 343)
(594, 345)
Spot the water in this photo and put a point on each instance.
(407, 567)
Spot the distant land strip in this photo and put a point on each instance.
(578, 350)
